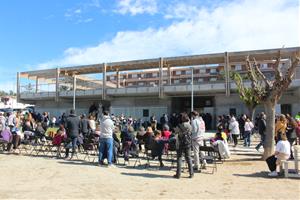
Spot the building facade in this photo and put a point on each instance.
(141, 88)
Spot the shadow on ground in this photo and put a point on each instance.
(146, 175)
(262, 174)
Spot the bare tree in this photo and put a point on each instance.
(270, 91)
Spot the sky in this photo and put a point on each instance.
(41, 34)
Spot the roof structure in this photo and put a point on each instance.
(179, 61)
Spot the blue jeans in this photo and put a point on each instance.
(106, 149)
(73, 142)
(247, 136)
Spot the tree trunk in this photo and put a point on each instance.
(270, 129)
(251, 111)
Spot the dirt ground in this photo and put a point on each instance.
(243, 176)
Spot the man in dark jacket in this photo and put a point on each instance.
(261, 124)
(72, 128)
(84, 125)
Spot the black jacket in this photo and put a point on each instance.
(72, 126)
(84, 126)
(261, 125)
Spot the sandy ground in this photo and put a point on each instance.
(242, 176)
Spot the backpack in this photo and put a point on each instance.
(185, 137)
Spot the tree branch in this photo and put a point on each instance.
(278, 75)
(261, 75)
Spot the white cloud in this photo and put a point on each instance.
(77, 11)
(135, 7)
(239, 25)
(181, 11)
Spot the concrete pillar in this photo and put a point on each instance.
(169, 75)
(160, 83)
(57, 85)
(18, 86)
(37, 84)
(74, 91)
(227, 72)
(118, 78)
(104, 81)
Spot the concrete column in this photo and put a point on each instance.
(57, 85)
(118, 78)
(104, 81)
(18, 86)
(169, 75)
(37, 85)
(227, 72)
(160, 84)
(74, 91)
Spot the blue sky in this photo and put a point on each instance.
(39, 34)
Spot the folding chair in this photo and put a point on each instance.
(211, 155)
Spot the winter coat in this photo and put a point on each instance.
(234, 127)
(72, 126)
(106, 127)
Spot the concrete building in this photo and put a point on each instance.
(141, 88)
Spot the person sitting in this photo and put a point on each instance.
(28, 130)
(39, 131)
(220, 143)
(282, 152)
(139, 136)
(6, 137)
(166, 133)
(158, 144)
(128, 141)
(16, 139)
(58, 139)
(148, 137)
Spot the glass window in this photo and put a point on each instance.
(238, 67)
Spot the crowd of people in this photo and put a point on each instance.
(120, 135)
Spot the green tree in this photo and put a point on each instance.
(247, 94)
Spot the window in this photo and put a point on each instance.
(176, 81)
(130, 84)
(134, 75)
(165, 73)
(154, 74)
(213, 79)
(213, 71)
(188, 80)
(200, 80)
(238, 67)
(178, 72)
(232, 111)
(145, 112)
(164, 82)
(264, 66)
(188, 72)
(152, 84)
(141, 83)
(202, 71)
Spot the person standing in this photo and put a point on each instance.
(184, 130)
(248, 130)
(291, 132)
(234, 130)
(84, 125)
(106, 139)
(72, 128)
(261, 125)
(198, 130)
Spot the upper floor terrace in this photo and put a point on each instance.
(162, 76)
